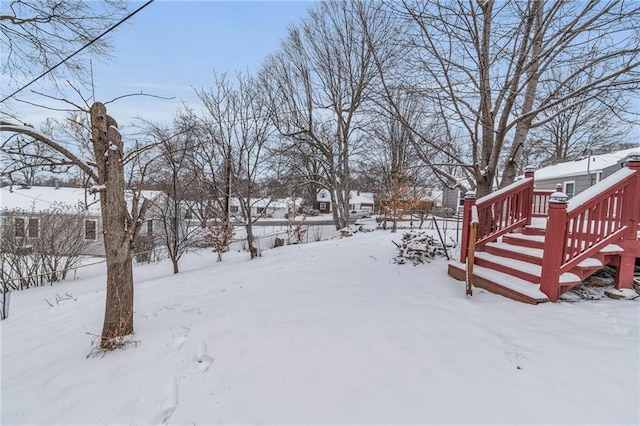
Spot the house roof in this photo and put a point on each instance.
(591, 164)
(41, 198)
(267, 202)
(355, 197)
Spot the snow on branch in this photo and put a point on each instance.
(6, 126)
(116, 129)
(97, 188)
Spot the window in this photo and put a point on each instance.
(90, 228)
(569, 189)
(34, 227)
(188, 214)
(233, 209)
(323, 194)
(150, 227)
(259, 210)
(322, 206)
(18, 225)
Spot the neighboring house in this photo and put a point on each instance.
(261, 207)
(453, 198)
(357, 201)
(576, 176)
(323, 201)
(22, 210)
(285, 207)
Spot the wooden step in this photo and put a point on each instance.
(524, 240)
(532, 230)
(523, 270)
(525, 254)
(500, 283)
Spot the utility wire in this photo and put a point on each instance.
(108, 30)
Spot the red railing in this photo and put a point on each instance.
(499, 213)
(605, 213)
(596, 217)
(540, 202)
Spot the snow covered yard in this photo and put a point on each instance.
(330, 332)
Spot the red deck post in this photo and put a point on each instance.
(554, 244)
(469, 200)
(624, 272)
(529, 172)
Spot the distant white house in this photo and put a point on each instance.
(576, 176)
(357, 201)
(22, 208)
(265, 207)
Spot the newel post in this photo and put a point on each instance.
(624, 272)
(469, 201)
(529, 173)
(554, 245)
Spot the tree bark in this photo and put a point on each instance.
(118, 228)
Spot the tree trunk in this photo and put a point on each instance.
(118, 227)
(250, 239)
(118, 315)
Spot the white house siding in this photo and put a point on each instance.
(36, 201)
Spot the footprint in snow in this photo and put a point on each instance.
(202, 358)
(179, 337)
(621, 331)
(169, 404)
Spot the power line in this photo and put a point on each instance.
(108, 30)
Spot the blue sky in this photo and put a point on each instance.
(170, 47)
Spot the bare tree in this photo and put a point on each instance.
(484, 65)
(244, 131)
(121, 226)
(319, 82)
(571, 130)
(173, 177)
(38, 34)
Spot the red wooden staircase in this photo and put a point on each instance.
(534, 245)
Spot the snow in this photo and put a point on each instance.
(474, 215)
(97, 188)
(508, 281)
(325, 333)
(355, 197)
(590, 262)
(42, 198)
(500, 192)
(579, 167)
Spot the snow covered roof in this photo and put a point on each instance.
(355, 197)
(595, 164)
(41, 198)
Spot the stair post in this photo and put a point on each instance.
(554, 245)
(529, 172)
(631, 215)
(469, 201)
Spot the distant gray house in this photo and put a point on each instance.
(22, 211)
(576, 176)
